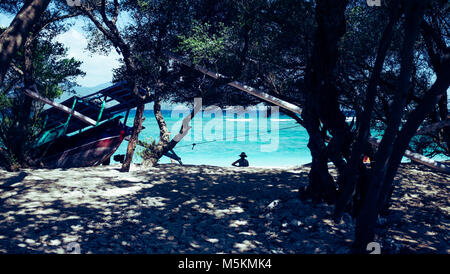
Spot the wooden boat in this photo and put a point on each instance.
(84, 131)
(89, 148)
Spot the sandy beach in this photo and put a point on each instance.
(204, 209)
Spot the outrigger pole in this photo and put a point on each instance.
(250, 90)
(419, 158)
(61, 107)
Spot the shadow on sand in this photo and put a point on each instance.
(174, 209)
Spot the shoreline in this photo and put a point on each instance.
(139, 166)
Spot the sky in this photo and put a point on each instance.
(98, 68)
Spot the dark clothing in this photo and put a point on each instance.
(241, 162)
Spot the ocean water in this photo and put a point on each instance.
(219, 137)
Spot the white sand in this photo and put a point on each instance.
(195, 209)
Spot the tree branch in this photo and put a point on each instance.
(18, 70)
(55, 19)
(97, 23)
(116, 12)
(15, 35)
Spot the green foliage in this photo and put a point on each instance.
(53, 74)
(204, 46)
(96, 41)
(4, 102)
(144, 5)
(53, 71)
(146, 152)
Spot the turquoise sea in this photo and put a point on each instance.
(219, 137)
(275, 141)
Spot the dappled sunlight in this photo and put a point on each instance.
(245, 246)
(420, 212)
(219, 213)
(184, 209)
(238, 223)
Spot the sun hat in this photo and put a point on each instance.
(243, 154)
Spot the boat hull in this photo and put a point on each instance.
(88, 148)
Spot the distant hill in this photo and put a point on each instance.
(83, 91)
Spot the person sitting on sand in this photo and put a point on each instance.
(242, 161)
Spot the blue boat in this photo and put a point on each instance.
(84, 131)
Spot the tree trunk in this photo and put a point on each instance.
(137, 127)
(165, 144)
(164, 136)
(15, 35)
(348, 188)
(367, 217)
(417, 116)
(5, 161)
(321, 184)
(22, 130)
(321, 99)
